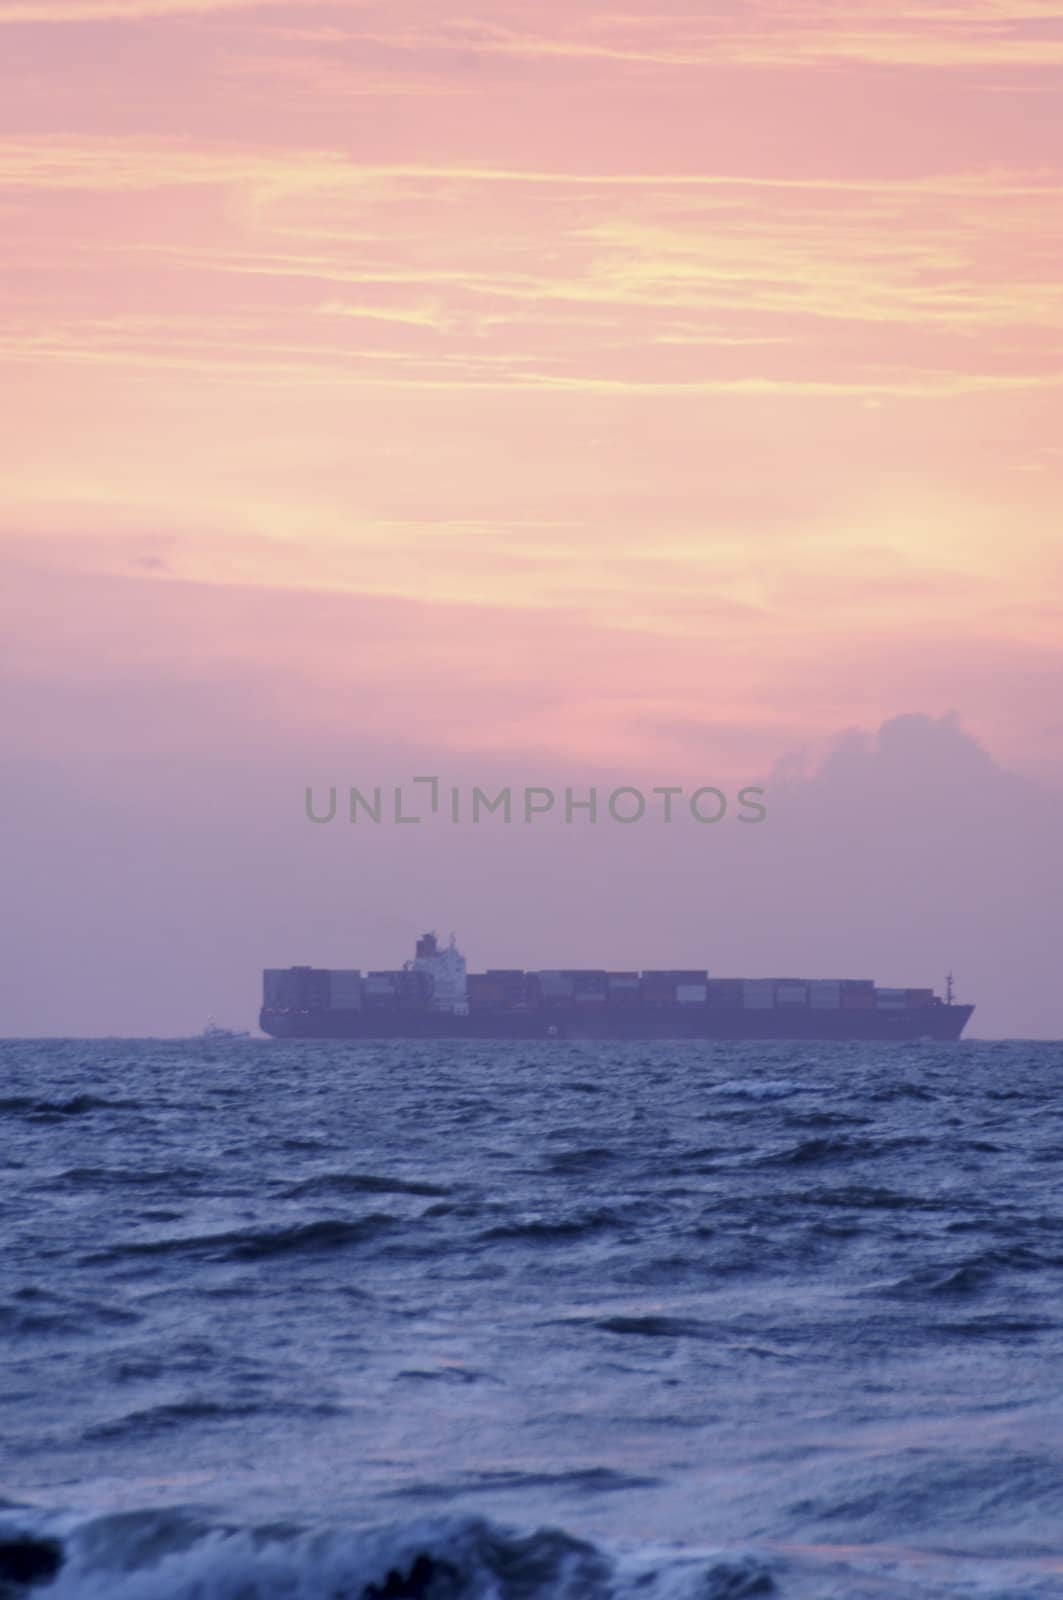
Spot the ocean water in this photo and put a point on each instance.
(510, 1321)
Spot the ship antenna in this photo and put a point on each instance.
(948, 988)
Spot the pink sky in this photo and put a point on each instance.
(586, 388)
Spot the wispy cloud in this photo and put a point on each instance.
(443, 277)
(92, 162)
(984, 33)
(51, 11)
(736, 331)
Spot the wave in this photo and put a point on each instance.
(545, 1229)
(902, 1091)
(761, 1088)
(161, 1419)
(580, 1161)
(253, 1244)
(872, 1197)
(824, 1119)
(656, 1327)
(1014, 1489)
(810, 1151)
(176, 1555)
(971, 1276)
(359, 1183)
(838, 1148)
(139, 1177)
(586, 1480)
(31, 1312)
(51, 1110)
(1002, 1327)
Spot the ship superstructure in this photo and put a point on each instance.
(434, 996)
(445, 972)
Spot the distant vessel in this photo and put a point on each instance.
(433, 997)
(217, 1035)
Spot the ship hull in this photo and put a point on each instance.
(939, 1022)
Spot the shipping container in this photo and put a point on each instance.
(691, 994)
(308, 988)
(624, 990)
(414, 990)
(554, 988)
(920, 997)
(724, 992)
(791, 994)
(345, 990)
(296, 988)
(824, 994)
(380, 1000)
(625, 999)
(511, 985)
(277, 989)
(758, 994)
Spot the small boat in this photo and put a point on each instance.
(216, 1035)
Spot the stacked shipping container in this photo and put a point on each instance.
(675, 986)
(758, 994)
(511, 989)
(623, 988)
(345, 990)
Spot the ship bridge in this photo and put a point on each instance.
(445, 970)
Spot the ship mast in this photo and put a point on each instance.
(948, 988)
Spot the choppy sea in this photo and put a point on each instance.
(511, 1321)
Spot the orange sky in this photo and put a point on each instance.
(643, 379)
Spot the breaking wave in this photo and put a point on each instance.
(179, 1554)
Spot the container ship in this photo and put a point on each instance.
(432, 996)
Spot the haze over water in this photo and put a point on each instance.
(731, 1320)
(531, 392)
